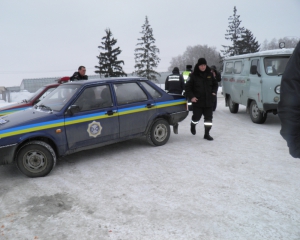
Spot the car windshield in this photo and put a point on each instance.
(34, 94)
(58, 98)
(275, 65)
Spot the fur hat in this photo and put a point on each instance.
(202, 61)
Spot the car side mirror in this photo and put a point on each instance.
(73, 109)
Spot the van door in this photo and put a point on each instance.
(255, 82)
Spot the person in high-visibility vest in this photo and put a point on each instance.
(186, 73)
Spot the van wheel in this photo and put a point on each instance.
(36, 159)
(159, 133)
(233, 107)
(256, 115)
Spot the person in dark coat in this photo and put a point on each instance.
(174, 82)
(217, 76)
(289, 105)
(201, 89)
(80, 75)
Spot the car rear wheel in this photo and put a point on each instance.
(233, 107)
(256, 115)
(159, 133)
(36, 159)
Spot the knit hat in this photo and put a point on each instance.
(175, 70)
(201, 61)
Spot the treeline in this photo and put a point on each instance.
(241, 39)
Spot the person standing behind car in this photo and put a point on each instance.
(201, 89)
(187, 72)
(80, 75)
(217, 76)
(289, 104)
(174, 82)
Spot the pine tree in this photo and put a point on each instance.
(233, 34)
(146, 58)
(248, 43)
(109, 66)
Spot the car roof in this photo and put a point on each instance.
(269, 53)
(108, 80)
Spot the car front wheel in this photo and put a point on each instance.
(256, 115)
(36, 159)
(159, 133)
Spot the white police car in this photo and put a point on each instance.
(82, 115)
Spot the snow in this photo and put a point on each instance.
(242, 185)
(16, 97)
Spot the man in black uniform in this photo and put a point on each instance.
(217, 76)
(80, 75)
(174, 82)
(289, 105)
(201, 89)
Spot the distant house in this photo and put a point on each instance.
(33, 84)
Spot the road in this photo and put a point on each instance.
(242, 185)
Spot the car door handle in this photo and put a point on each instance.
(111, 112)
(150, 105)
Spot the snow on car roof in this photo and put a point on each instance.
(284, 51)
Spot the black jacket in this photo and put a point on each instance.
(76, 76)
(201, 85)
(289, 105)
(174, 83)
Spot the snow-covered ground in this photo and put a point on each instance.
(242, 185)
(16, 97)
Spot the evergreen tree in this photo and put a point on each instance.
(146, 58)
(233, 34)
(248, 43)
(109, 66)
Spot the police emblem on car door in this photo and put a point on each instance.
(97, 120)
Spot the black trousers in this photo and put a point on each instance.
(207, 112)
(215, 103)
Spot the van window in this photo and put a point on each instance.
(237, 67)
(275, 65)
(254, 68)
(229, 67)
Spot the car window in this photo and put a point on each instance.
(57, 99)
(275, 65)
(94, 98)
(237, 67)
(254, 68)
(49, 90)
(153, 92)
(228, 67)
(129, 93)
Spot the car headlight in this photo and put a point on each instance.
(277, 89)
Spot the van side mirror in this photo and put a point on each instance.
(73, 109)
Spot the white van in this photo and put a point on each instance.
(253, 80)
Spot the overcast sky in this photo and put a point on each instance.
(43, 38)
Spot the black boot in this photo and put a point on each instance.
(206, 135)
(193, 128)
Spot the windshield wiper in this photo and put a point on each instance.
(46, 107)
(25, 100)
